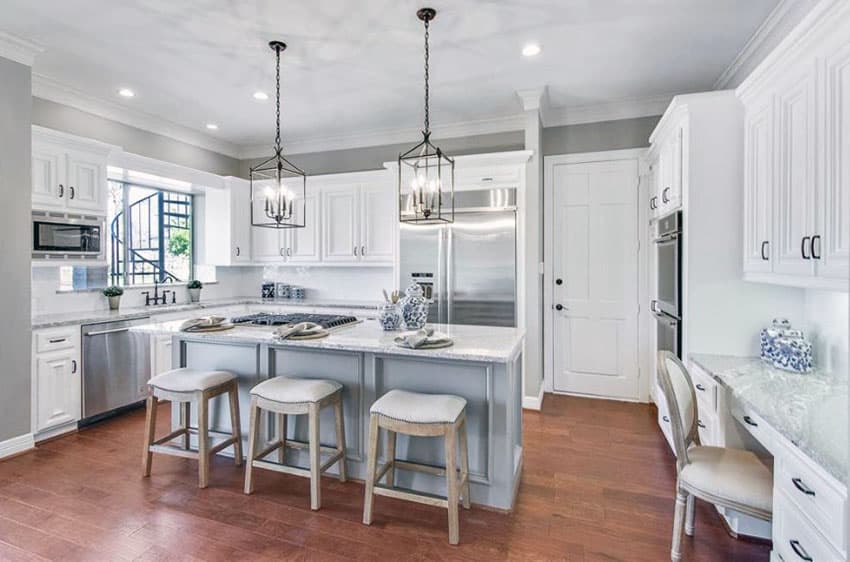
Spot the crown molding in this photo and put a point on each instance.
(611, 111)
(49, 89)
(17, 49)
(766, 37)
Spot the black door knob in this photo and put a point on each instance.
(559, 307)
(559, 281)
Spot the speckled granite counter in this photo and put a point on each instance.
(810, 410)
(93, 316)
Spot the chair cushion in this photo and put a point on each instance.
(730, 474)
(287, 390)
(188, 380)
(415, 407)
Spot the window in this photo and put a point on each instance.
(149, 235)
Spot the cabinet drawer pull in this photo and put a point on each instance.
(355, 250)
(61, 190)
(665, 418)
(282, 252)
(664, 198)
(289, 251)
(800, 551)
(237, 250)
(798, 483)
(764, 246)
(700, 387)
(803, 244)
(362, 250)
(749, 421)
(73, 366)
(815, 239)
(653, 203)
(71, 189)
(700, 424)
(57, 340)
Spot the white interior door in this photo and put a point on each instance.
(596, 259)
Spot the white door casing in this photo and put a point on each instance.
(595, 253)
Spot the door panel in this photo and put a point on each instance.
(267, 244)
(304, 242)
(758, 196)
(46, 164)
(378, 219)
(86, 182)
(57, 390)
(595, 229)
(340, 237)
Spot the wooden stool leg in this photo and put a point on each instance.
(392, 437)
(371, 470)
(150, 432)
(464, 464)
(451, 484)
(253, 430)
(235, 423)
(185, 417)
(203, 440)
(315, 457)
(340, 438)
(281, 436)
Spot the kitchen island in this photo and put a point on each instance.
(483, 366)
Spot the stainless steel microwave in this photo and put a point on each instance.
(67, 236)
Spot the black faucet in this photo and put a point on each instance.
(157, 298)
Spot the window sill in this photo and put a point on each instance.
(167, 286)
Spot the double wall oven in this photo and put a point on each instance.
(666, 305)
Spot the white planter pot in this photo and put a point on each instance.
(195, 295)
(114, 302)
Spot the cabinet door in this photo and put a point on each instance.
(268, 244)
(673, 199)
(795, 184)
(240, 223)
(48, 190)
(340, 238)
(378, 221)
(57, 389)
(86, 182)
(758, 187)
(833, 247)
(160, 354)
(304, 242)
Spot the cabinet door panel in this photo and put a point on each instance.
(834, 200)
(340, 238)
(378, 219)
(46, 170)
(267, 244)
(240, 228)
(304, 242)
(758, 185)
(796, 181)
(57, 390)
(86, 182)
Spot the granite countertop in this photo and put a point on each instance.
(810, 410)
(90, 317)
(471, 343)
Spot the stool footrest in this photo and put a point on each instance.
(418, 497)
(175, 451)
(171, 436)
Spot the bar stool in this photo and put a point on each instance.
(187, 387)
(286, 395)
(423, 415)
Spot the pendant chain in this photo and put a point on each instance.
(427, 77)
(277, 102)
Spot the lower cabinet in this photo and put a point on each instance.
(160, 354)
(56, 381)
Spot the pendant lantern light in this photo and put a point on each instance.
(425, 174)
(278, 187)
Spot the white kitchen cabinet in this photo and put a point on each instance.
(160, 354)
(303, 244)
(56, 381)
(358, 222)
(378, 218)
(668, 166)
(227, 224)
(68, 173)
(797, 180)
(268, 244)
(340, 236)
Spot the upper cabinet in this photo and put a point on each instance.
(68, 173)
(668, 165)
(797, 166)
(227, 224)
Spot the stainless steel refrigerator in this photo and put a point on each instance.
(467, 268)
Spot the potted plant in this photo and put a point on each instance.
(114, 295)
(195, 287)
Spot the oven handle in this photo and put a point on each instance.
(667, 237)
(661, 315)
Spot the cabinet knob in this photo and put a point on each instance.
(559, 307)
(237, 250)
(73, 366)
(559, 281)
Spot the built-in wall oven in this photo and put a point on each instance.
(72, 236)
(666, 305)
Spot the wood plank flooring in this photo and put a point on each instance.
(597, 485)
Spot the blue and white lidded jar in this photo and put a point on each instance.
(389, 316)
(414, 307)
(780, 327)
(793, 354)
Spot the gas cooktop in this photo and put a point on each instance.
(267, 319)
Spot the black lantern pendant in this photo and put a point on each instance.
(278, 187)
(426, 176)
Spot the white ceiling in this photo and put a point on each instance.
(357, 66)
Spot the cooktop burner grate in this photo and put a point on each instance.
(269, 319)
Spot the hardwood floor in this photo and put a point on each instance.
(597, 485)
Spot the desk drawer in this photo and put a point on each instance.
(707, 428)
(795, 539)
(705, 387)
(57, 339)
(813, 495)
(754, 424)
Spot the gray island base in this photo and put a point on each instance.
(483, 366)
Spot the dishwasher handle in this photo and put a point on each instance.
(104, 332)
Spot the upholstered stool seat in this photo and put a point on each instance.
(282, 396)
(736, 475)
(422, 415)
(186, 387)
(415, 407)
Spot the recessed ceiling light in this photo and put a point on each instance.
(212, 126)
(126, 93)
(262, 96)
(531, 50)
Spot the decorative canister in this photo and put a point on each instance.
(414, 307)
(793, 354)
(281, 291)
(268, 290)
(780, 327)
(389, 316)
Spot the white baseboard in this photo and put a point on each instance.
(16, 445)
(533, 402)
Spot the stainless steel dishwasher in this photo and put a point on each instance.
(116, 367)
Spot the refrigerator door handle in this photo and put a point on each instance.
(449, 293)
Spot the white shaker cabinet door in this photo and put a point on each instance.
(57, 389)
(795, 184)
(86, 189)
(758, 182)
(267, 244)
(340, 236)
(378, 219)
(48, 190)
(303, 244)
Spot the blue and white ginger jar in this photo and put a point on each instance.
(414, 307)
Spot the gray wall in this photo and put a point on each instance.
(595, 137)
(15, 333)
(74, 121)
(373, 157)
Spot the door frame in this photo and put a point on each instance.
(549, 162)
